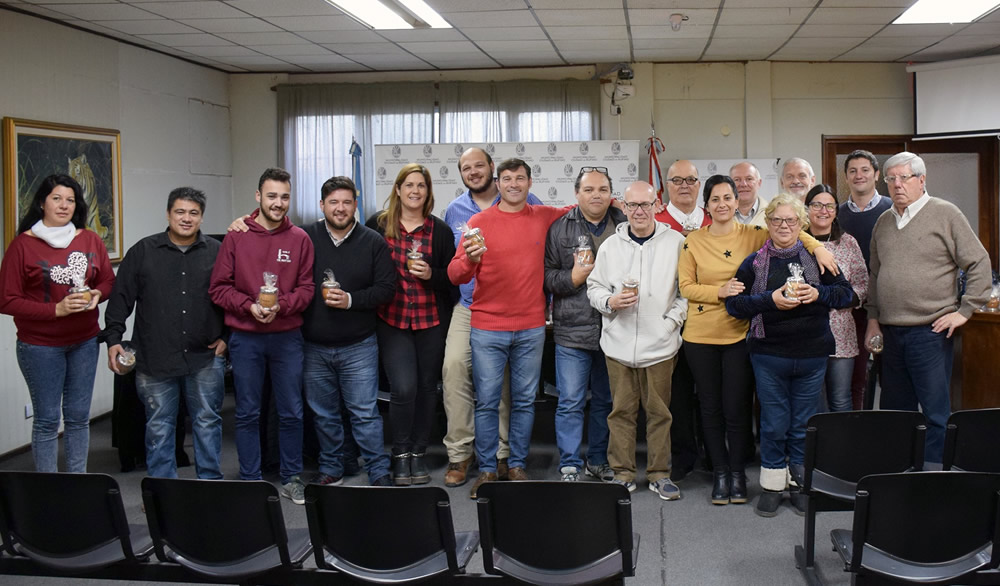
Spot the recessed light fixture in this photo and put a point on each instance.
(946, 11)
(391, 14)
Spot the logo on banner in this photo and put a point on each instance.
(381, 173)
(443, 172)
(396, 151)
(632, 169)
(428, 150)
(458, 150)
(616, 148)
(584, 148)
(553, 192)
(568, 170)
(536, 170)
(712, 168)
(492, 150)
(552, 148)
(519, 149)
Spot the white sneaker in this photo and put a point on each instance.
(569, 474)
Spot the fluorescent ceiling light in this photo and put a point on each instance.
(946, 11)
(425, 13)
(372, 14)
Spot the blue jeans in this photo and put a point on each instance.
(333, 374)
(203, 391)
(282, 353)
(59, 378)
(916, 370)
(491, 351)
(576, 370)
(788, 390)
(837, 388)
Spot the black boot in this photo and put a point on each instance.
(418, 469)
(401, 475)
(738, 487)
(720, 489)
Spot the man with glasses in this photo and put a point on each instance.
(476, 168)
(570, 248)
(797, 177)
(682, 212)
(917, 251)
(508, 314)
(634, 286)
(749, 206)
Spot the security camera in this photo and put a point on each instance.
(625, 73)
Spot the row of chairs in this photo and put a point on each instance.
(927, 527)
(234, 531)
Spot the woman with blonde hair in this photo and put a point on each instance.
(412, 327)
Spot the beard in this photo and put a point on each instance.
(486, 186)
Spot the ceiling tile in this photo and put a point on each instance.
(981, 28)
(444, 6)
(45, 11)
(748, 44)
(592, 46)
(285, 7)
(527, 60)
(680, 5)
(781, 3)
(221, 51)
(761, 31)
(665, 43)
(231, 25)
(587, 32)
(836, 30)
(364, 49)
(748, 16)
(519, 46)
(465, 62)
(920, 30)
(454, 48)
(801, 55)
(189, 40)
(492, 19)
(666, 55)
(857, 15)
(147, 27)
(297, 50)
(586, 57)
(661, 17)
(577, 4)
(342, 36)
(423, 35)
(664, 32)
(193, 9)
(580, 17)
(391, 61)
(872, 54)
(102, 11)
(317, 23)
(264, 38)
(518, 33)
(831, 43)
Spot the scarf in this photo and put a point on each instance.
(761, 265)
(58, 237)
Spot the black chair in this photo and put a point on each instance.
(69, 523)
(557, 532)
(970, 441)
(386, 535)
(222, 529)
(841, 449)
(927, 528)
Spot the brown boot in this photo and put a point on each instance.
(502, 471)
(483, 477)
(518, 473)
(457, 473)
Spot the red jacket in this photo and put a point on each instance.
(239, 273)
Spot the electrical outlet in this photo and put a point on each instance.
(28, 412)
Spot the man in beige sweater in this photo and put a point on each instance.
(918, 248)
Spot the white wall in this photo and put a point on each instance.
(174, 122)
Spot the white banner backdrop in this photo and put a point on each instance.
(554, 167)
(768, 168)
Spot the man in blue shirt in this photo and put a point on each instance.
(477, 168)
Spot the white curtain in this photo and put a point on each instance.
(317, 123)
(522, 110)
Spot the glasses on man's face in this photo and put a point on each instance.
(778, 222)
(890, 179)
(589, 169)
(631, 206)
(683, 180)
(817, 206)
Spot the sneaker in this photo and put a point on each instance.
(665, 489)
(603, 472)
(294, 490)
(384, 480)
(352, 467)
(626, 483)
(327, 480)
(569, 474)
(767, 503)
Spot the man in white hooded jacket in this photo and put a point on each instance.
(634, 286)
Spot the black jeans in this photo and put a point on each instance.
(723, 375)
(412, 361)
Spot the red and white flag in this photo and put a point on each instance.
(655, 177)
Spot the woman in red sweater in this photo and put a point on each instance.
(54, 274)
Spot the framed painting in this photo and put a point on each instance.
(33, 150)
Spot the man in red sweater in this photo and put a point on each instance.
(267, 334)
(508, 314)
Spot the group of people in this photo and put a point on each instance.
(653, 304)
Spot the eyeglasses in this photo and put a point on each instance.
(777, 222)
(683, 180)
(817, 206)
(646, 206)
(903, 178)
(589, 169)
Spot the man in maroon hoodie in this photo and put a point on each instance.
(265, 325)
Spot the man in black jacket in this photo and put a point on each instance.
(341, 353)
(570, 250)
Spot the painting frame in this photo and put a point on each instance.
(33, 149)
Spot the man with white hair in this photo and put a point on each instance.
(917, 250)
(797, 177)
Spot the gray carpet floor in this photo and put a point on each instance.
(685, 542)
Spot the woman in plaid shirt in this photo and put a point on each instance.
(412, 326)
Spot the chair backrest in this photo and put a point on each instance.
(214, 521)
(555, 525)
(930, 517)
(61, 515)
(970, 441)
(850, 445)
(380, 528)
